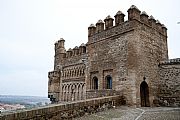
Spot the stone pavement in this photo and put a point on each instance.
(129, 113)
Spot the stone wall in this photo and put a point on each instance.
(101, 93)
(53, 86)
(169, 85)
(66, 111)
(145, 51)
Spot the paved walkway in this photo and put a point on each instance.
(128, 113)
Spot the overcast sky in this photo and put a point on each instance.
(29, 29)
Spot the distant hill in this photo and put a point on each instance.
(27, 101)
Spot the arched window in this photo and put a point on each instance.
(95, 83)
(108, 82)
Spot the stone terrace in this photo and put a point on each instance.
(130, 113)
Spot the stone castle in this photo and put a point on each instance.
(127, 58)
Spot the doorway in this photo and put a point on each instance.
(144, 92)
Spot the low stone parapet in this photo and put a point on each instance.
(66, 111)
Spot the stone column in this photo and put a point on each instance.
(76, 92)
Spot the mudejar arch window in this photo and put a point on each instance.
(108, 82)
(94, 83)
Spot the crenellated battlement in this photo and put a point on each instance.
(110, 28)
(76, 51)
(61, 54)
(59, 46)
(170, 61)
(119, 18)
(53, 74)
(60, 49)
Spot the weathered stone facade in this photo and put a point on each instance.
(122, 59)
